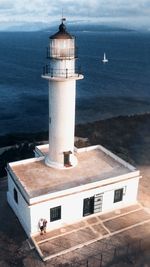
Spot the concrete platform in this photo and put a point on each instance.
(95, 164)
(88, 231)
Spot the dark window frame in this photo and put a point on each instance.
(88, 206)
(16, 195)
(55, 214)
(118, 195)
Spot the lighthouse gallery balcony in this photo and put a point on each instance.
(61, 74)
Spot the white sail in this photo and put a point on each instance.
(105, 60)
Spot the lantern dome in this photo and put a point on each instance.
(62, 33)
(62, 44)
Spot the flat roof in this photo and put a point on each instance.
(94, 165)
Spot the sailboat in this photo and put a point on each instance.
(104, 60)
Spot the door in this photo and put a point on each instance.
(88, 206)
(66, 159)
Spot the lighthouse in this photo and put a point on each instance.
(61, 75)
(61, 191)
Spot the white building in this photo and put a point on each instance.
(63, 184)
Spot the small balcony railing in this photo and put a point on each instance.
(65, 53)
(51, 72)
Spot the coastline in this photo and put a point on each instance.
(126, 136)
(15, 138)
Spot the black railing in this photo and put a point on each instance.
(49, 71)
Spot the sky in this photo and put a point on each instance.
(133, 13)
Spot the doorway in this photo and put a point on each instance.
(88, 206)
(67, 158)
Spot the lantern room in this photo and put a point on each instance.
(62, 44)
(61, 53)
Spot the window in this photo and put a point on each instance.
(15, 195)
(118, 195)
(55, 213)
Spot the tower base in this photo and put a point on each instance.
(58, 165)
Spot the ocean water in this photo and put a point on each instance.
(121, 87)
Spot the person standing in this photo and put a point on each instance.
(41, 226)
(44, 225)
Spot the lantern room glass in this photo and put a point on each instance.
(62, 48)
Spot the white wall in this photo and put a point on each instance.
(60, 66)
(71, 210)
(130, 188)
(21, 208)
(72, 205)
(62, 119)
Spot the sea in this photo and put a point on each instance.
(120, 87)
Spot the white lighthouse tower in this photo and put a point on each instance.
(61, 74)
